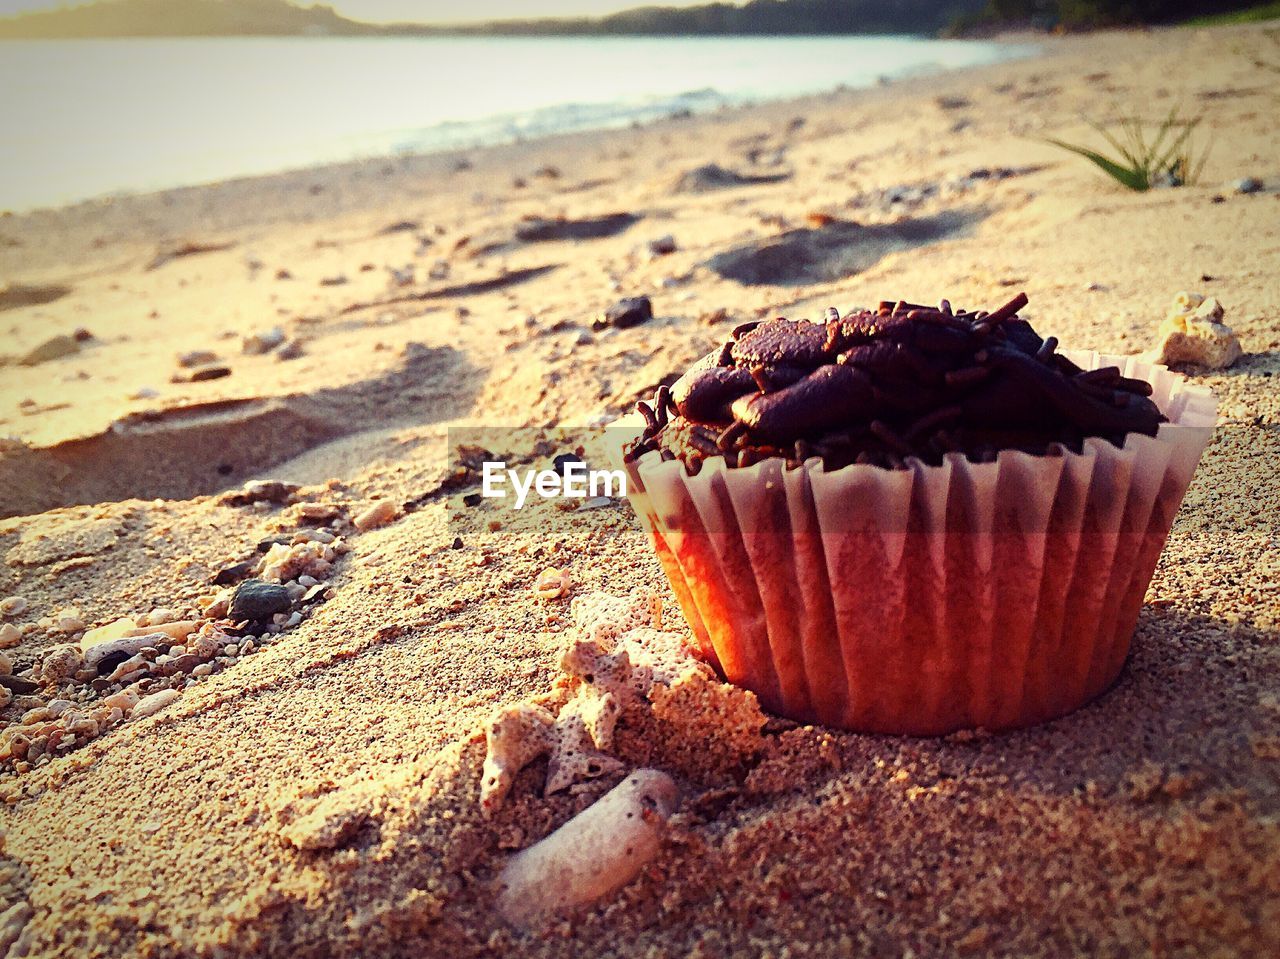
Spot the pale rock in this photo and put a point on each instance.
(12, 606)
(124, 701)
(1193, 332)
(60, 663)
(10, 636)
(263, 342)
(154, 703)
(6, 664)
(102, 634)
(376, 515)
(126, 645)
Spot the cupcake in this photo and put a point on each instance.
(914, 520)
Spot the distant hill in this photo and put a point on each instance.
(183, 18)
(214, 18)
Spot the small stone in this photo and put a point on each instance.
(160, 616)
(124, 701)
(255, 600)
(19, 685)
(70, 621)
(262, 342)
(376, 515)
(51, 349)
(200, 374)
(1248, 184)
(204, 669)
(6, 664)
(104, 634)
(60, 663)
(12, 606)
(290, 351)
(194, 358)
(10, 636)
(229, 575)
(627, 312)
(185, 663)
(595, 502)
(662, 246)
(154, 703)
(205, 647)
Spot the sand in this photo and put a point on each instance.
(1144, 824)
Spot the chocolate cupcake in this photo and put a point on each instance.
(915, 519)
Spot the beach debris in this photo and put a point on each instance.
(264, 341)
(185, 249)
(283, 274)
(1246, 185)
(260, 491)
(149, 705)
(401, 277)
(10, 636)
(15, 295)
(627, 312)
(400, 226)
(338, 279)
(58, 663)
(256, 600)
(537, 229)
(663, 245)
(613, 665)
(213, 371)
(552, 583)
(194, 358)
(376, 515)
(1193, 332)
(229, 575)
(712, 176)
(12, 606)
(53, 348)
(594, 854)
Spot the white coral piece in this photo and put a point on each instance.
(618, 657)
(1193, 332)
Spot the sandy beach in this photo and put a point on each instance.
(315, 791)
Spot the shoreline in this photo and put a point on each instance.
(417, 158)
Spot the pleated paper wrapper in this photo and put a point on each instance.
(930, 599)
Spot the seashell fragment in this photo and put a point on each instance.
(594, 854)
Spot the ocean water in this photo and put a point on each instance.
(85, 118)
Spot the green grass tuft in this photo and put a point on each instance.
(1143, 161)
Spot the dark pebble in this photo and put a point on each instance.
(256, 600)
(627, 312)
(19, 686)
(563, 460)
(232, 574)
(186, 663)
(472, 499)
(266, 544)
(457, 542)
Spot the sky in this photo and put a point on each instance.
(432, 11)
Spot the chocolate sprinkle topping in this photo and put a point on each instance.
(883, 386)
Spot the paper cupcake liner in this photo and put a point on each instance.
(930, 599)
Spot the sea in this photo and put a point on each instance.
(82, 119)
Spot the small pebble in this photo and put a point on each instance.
(256, 600)
(12, 606)
(154, 703)
(377, 514)
(10, 636)
(1248, 184)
